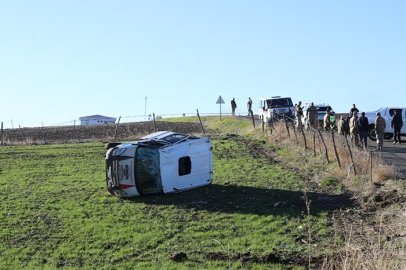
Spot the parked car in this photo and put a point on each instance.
(386, 113)
(275, 106)
(162, 162)
(321, 109)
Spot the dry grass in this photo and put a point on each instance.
(381, 247)
(384, 172)
(375, 233)
(339, 158)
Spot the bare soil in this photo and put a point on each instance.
(93, 133)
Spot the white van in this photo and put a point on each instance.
(162, 162)
(275, 107)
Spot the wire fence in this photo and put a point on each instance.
(346, 151)
(97, 128)
(332, 147)
(94, 119)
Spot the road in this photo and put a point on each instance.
(394, 154)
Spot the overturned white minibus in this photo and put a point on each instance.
(162, 162)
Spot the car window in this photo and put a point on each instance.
(323, 108)
(392, 111)
(174, 138)
(280, 102)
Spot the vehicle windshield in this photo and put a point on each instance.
(174, 138)
(278, 103)
(147, 171)
(323, 108)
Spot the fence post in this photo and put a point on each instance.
(115, 131)
(252, 117)
(325, 146)
(1, 133)
(200, 121)
(286, 124)
(335, 149)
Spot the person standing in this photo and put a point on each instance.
(249, 106)
(327, 121)
(354, 129)
(363, 127)
(380, 126)
(396, 124)
(353, 109)
(332, 121)
(312, 115)
(233, 106)
(342, 127)
(347, 122)
(299, 114)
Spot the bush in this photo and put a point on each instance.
(330, 181)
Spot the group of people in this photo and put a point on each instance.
(234, 106)
(358, 127)
(312, 115)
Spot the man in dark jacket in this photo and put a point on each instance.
(363, 127)
(233, 106)
(396, 124)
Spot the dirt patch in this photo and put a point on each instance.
(94, 133)
(382, 198)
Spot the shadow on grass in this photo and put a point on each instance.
(248, 200)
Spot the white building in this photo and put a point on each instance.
(96, 120)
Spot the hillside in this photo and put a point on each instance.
(273, 204)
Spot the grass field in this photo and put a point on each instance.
(56, 213)
(257, 214)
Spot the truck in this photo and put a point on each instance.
(386, 113)
(275, 107)
(160, 163)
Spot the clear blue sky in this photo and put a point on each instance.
(61, 60)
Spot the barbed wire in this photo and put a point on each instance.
(354, 149)
(278, 117)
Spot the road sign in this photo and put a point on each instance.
(220, 100)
